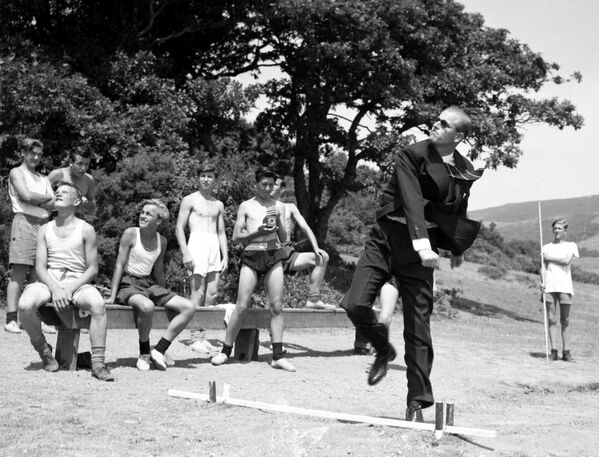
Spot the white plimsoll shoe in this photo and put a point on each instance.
(143, 362)
(282, 364)
(319, 305)
(219, 358)
(170, 362)
(12, 327)
(158, 360)
(203, 347)
(48, 328)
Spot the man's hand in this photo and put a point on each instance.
(456, 261)
(428, 258)
(321, 256)
(61, 298)
(188, 261)
(224, 264)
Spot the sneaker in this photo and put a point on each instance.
(49, 363)
(12, 327)
(319, 305)
(158, 360)
(553, 355)
(143, 362)
(103, 374)
(566, 356)
(170, 362)
(219, 359)
(414, 412)
(48, 328)
(203, 347)
(282, 364)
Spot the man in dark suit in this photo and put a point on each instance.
(423, 208)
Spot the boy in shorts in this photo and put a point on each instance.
(299, 261)
(76, 174)
(557, 282)
(66, 262)
(260, 226)
(138, 281)
(32, 200)
(205, 253)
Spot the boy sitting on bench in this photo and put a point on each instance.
(138, 281)
(66, 262)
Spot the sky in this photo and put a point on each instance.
(556, 163)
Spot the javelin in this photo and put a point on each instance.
(543, 274)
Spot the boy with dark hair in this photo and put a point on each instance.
(66, 263)
(205, 253)
(138, 281)
(32, 200)
(557, 282)
(260, 227)
(76, 173)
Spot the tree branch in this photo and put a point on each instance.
(349, 120)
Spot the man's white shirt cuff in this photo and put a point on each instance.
(421, 244)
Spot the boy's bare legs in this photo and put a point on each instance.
(204, 292)
(90, 300)
(274, 284)
(13, 293)
(29, 302)
(185, 311)
(306, 260)
(248, 278)
(564, 318)
(145, 315)
(552, 326)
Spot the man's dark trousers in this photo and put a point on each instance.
(376, 265)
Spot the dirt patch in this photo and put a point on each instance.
(489, 361)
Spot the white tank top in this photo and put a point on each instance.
(66, 253)
(35, 182)
(141, 261)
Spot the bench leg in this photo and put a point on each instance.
(247, 344)
(67, 344)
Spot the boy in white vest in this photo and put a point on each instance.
(138, 281)
(66, 263)
(32, 200)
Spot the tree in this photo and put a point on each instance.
(401, 63)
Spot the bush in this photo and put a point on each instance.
(492, 272)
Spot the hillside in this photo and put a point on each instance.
(519, 221)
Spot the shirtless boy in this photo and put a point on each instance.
(205, 253)
(299, 261)
(76, 174)
(260, 227)
(138, 281)
(66, 262)
(32, 200)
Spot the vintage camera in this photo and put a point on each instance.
(270, 221)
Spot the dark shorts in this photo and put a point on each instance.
(262, 261)
(132, 285)
(291, 256)
(23, 239)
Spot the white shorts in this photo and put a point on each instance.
(62, 277)
(204, 249)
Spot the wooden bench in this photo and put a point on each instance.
(70, 322)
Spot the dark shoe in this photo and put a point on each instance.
(553, 355)
(49, 363)
(103, 374)
(84, 360)
(378, 370)
(414, 412)
(566, 356)
(361, 351)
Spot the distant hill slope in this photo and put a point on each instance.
(519, 221)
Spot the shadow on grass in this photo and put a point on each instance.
(481, 309)
(179, 363)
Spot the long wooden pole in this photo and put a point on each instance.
(334, 415)
(545, 324)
